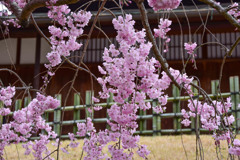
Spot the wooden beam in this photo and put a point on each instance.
(18, 55)
(37, 63)
(204, 47)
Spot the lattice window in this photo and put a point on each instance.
(227, 39)
(176, 48)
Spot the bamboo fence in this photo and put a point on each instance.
(143, 117)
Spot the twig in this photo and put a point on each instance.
(233, 46)
(19, 78)
(222, 11)
(50, 154)
(23, 14)
(91, 30)
(65, 58)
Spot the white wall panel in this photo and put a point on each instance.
(28, 51)
(45, 48)
(8, 48)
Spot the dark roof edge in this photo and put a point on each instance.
(190, 11)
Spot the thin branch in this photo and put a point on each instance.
(78, 67)
(233, 46)
(222, 11)
(12, 72)
(103, 34)
(91, 29)
(65, 58)
(40, 31)
(23, 14)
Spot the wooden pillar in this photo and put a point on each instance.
(204, 47)
(18, 55)
(37, 63)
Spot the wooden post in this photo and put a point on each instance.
(27, 100)
(193, 120)
(1, 117)
(89, 101)
(76, 113)
(57, 116)
(176, 107)
(109, 100)
(158, 125)
(234, 89)
(156, 121)
(214, 87)
(46, 116)
(143, 122)
(205, 47)
(37, 63)
(18, 104)
(18, 55)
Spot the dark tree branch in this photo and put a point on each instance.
(233, 47)
(223, 12)
(13, 7)
(23, 14)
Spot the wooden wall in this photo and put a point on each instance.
(207, 70)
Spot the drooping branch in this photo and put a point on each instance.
(156, 51)
(223, 12)
(65, 58)
(23, 14)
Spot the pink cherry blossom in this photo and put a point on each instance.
(235, 149)
(28, 121)
(186, 122)
(164, 4)
(234, 11)
(64, 38)
(6, 95)
(190, 47)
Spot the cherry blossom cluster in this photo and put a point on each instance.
(73, 143)
(11, 21)
(28, 121)
(64, 38)
(95, 142)
(6, 95)
(235, 148)
(6, 23)
(164, 4)
(163, 28)
(210, 115)
(220, 136)
(190, 47)
(234, 11)
(214, 118)
(128, 74)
